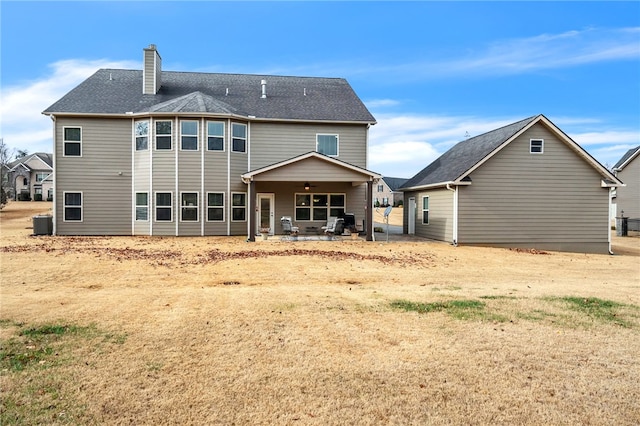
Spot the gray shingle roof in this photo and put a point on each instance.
(625, 157)
(394, 182)
(113, 91)
(464, 155)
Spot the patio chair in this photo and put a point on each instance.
(287, 226)
(335, 225)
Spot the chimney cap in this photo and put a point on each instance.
(152, 47)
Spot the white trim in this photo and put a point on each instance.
(207, 135)
(337, 135)
(155, 135)
(247, 177)
(64, 141)
(229, 213)
(81, 206)
(155, 206)
(197, 207)
(531, 151)
(201, 207)
(133, 178)
(628, 160)
(246, 138)
(135, 207)
(207, 207)
(55, 159)
(135, 135)
(246, 207)
(190, 135)
(423, 210)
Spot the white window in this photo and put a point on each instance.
(239, 141)
(215, 136)
(164, 206)
(319, 206)
(425, 210)
(215, 206)
(142, 135)
(189, 135)
(536, 146)
(327, 144)
(73, 207)
(239, 207)
(142, 206)
(72, 140)
(41, 176)
(163, 135)
(189, 207)
(380, 188)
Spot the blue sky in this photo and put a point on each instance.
(430, 72)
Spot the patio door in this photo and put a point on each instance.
(411, 216)
(265, 214)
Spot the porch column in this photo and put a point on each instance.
(252, 211)
(369, 211)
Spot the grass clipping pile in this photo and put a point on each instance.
(146, 330)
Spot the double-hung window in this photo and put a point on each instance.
(73, 207)
(425, 210)
(72, 140)
(164, 207)
(41, 176)
(142, 135)
(189, 135)
(163, 135)
(215, 136)
(327, 144)
(142, 206)
(215, 206)
(239, 140)
(189, 207)
(239, 207)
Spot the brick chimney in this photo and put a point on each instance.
(151, 70)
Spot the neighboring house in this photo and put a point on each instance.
(628, 197)
(152, 152)
(525, 185)
(31, 177)
(386, 192)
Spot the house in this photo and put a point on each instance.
(525, 185)
(627, 199)
(386, 192)
(153, 152)
(31, 177)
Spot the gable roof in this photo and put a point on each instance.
(455, 165)
(119, 92)
(46, 158)
(394, 182)
(626, 159)
(249, 176)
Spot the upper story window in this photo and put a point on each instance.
(380, 188)
(536, 146)
(327, 144)
(239, 142)
(163, 135)
(41, 176)
(142, 135)
(72, 140)
(189, 135)
(215, 136)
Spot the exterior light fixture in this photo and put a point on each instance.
(307, 186)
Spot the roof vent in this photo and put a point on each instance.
(264, 88)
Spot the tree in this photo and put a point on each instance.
(5, 155)
(21, 153)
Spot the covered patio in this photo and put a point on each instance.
(309, 188)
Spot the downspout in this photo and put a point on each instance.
(55, 168)
(609, 223)
(455, 214)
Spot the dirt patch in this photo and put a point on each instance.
(217, 330)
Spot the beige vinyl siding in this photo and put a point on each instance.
(628, 197)
(189, 180)
(275, 142)
(102, 174)
(164, 180)
(440, 225)
(238, 166)
(314, 167)
(215, 180)
(141, 162)
(550, 201)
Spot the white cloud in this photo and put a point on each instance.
(23, 125)
(402, 145)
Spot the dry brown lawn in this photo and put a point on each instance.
(149, 330)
